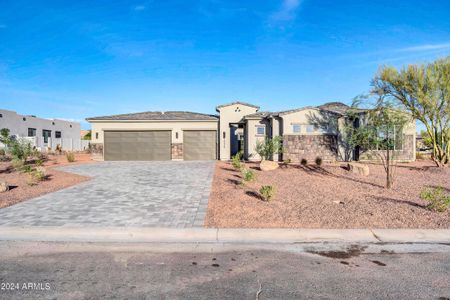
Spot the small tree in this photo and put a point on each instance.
(20, 149)
(380, 133)
(5, 139)
(424, 90)
(267, 148)
(87, 136)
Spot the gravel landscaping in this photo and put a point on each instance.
(21, 190)
(327, 197)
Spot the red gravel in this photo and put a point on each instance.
(57, 180)
(305, 198)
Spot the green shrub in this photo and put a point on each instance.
(285, 163)
(248, 175)
(267, 192)
(303, 162)
(437, 200)
(20, 149)
(70, 156)
(269, 147)
(319, 161)
(39, 174)
(27, 169)
(236, 161)
(39, 162)
(2, 152)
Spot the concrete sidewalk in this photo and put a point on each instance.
(222, 235)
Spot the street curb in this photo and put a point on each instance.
(222, 235)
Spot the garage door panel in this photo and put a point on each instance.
(200, 145)
(137, 145)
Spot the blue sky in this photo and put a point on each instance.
(76, 59)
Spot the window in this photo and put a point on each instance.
(24, 118)
(96, 135)
(310, 128)
(260, 130)
(31, 132)
(70, 125)
(387, 138)
(1, 115)
(321, 128)
(58, 134)
(53, 123)
(296, 128)
(46, 134)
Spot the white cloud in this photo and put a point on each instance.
(425, 47)
(139, 7)
(287, 11)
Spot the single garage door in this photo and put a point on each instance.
(137, 145)
(199, 144)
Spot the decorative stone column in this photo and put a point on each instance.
(96, 151)
(177, 151)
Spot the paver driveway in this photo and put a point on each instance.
(135, 194)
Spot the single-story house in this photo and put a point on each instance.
(307, 132)
(43, 133)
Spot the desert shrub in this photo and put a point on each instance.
(39, 173)
(285, 163)
(419, 155)
(17, 164)
(437, 200)
(27, 169)
(236, 161)
(267, 148)
(267, 192)
(70, 156)
(303, 162)
(39, 162)
(318, 161)
(20, 149)
(248, 175)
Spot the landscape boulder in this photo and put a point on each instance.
(358, 168)
(268, 165)
(4, 187)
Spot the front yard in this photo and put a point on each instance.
(21, 189)
(327, 197)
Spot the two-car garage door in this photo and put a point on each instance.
(137, 145)
(156, 145)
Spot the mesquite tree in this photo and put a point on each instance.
(423, 90)
(380, 133)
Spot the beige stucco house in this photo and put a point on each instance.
(307, 132)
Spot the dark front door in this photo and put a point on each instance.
(46, 134)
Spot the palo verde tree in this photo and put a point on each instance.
(424, 91)
(380, 134)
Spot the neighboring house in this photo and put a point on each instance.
(307, 132)
(44, 132)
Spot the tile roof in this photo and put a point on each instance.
(159, 115)
(260, 114)
(234, 103)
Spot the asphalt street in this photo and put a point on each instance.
(102, 271)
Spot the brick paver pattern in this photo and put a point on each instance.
(132, 194)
